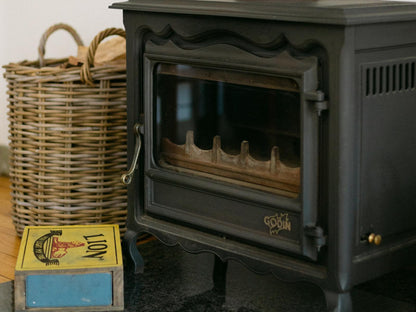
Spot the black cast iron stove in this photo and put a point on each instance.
(278, 133)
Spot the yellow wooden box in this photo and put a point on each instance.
(67, 268)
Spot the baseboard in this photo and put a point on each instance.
(4, 160)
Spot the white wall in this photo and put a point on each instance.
(22, 23)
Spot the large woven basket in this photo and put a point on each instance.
(67, 139)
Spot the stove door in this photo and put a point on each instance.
(231, 144)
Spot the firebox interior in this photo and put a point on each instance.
(249, 114)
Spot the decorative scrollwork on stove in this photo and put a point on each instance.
(195, 246)
(221, 36)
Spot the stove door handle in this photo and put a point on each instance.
(126, 178)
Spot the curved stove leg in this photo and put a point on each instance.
(338, 302)
(219, 275)
(130, 248)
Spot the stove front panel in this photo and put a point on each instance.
(232, 140)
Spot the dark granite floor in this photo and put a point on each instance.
(176, 281)
(181, 282)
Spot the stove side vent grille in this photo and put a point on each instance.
(389, 77)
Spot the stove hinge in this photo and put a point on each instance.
(318, 99)
(316, 235)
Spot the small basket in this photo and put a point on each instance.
(67, 139)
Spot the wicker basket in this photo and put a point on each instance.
(67, 139)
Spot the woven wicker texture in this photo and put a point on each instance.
(67, 140)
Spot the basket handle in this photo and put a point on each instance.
(49, 32)
(85, 73)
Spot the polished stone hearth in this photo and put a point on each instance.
(176, 281)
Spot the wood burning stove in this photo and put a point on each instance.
(277, 133)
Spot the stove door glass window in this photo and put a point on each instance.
(232, 126)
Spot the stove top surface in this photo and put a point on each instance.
(341, 12)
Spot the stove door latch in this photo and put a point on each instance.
(316, 234)
(318, 99)
(128, 176)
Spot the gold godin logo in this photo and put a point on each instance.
(277, 223)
